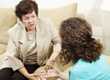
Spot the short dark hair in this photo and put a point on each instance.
(26, 6)
(77, 41)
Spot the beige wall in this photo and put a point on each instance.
(101, 27)
(59, 14)
(7, 19)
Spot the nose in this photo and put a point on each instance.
(30, 20)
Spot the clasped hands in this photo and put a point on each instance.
(48, 66)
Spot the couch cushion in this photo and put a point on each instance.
(8, 19)
(59, 14)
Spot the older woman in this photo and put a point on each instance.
(85, 51)
(32, 42)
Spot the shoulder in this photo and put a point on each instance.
(78, 67)
(45, 21)
(14, 31)
(82, 66)
(17, 27)
(80, 70)
(76, 71)
(47, 25)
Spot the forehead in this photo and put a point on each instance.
(30, 14)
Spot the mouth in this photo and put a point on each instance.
(31, 25)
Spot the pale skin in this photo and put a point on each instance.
(30, 22)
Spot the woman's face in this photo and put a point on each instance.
(30, 20)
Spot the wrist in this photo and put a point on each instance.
(50, 62)
(24, 72)
(28, 76)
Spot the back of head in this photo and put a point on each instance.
(77, 40)
(26, 6)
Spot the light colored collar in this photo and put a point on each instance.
(22, 33)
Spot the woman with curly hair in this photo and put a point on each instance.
(85, 51)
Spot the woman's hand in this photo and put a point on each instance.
(27, 75)
(33, 77)
(50, 62)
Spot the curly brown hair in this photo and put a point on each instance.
(77, 41)
(24, 7)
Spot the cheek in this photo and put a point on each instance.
(34, 21)
(25, 23)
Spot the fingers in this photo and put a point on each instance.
(50, 62)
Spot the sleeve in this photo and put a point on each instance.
(11, 52)
(55, 40)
